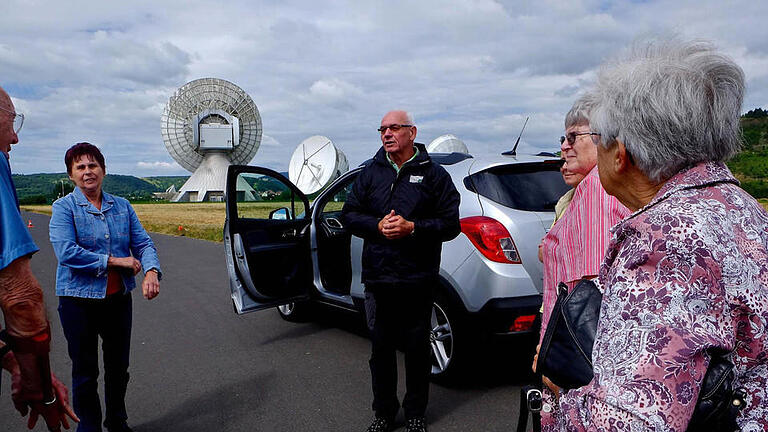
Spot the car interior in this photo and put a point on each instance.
(333, 241)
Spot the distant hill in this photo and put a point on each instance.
(45, 188)
(164, 183)
(751, 165)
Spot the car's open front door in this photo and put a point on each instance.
(266, 237)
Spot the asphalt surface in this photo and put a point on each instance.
(197, 366)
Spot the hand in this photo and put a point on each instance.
(384, 220)
(536, 358)
(541, 253)
(396, 226)
(151, 286)
(130, 263)
(55, 415)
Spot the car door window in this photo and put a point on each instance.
(263, 197)
(336, 202)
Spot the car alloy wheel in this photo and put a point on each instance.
(440, 340)
(295, 311)
(286, 309)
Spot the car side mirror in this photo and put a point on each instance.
(280, 214)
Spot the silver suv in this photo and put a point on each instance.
(281, 251)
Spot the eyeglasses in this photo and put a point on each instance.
(18, 119)
(393, 127)
(571, 137)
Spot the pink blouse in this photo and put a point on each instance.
(576, 245)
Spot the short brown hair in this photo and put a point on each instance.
(83, 149)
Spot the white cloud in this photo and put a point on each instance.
(159, 165)
(102, 72)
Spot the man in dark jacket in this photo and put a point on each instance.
(404, 206)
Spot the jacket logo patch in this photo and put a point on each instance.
(417, 179)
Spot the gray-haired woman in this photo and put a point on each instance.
(687, 272)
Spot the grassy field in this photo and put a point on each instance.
(201, 220)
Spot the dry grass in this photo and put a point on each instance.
(763, 202)
(198, 220)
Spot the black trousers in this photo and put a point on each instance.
(399, 316)
(84, 321)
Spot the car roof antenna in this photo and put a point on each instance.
(513, 152)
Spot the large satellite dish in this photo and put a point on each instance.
(448, 143)
(315, 163)
(208, 124)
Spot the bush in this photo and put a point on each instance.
(756, 188)
(33, 199)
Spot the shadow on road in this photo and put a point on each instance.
(494, 363)
(196, 414)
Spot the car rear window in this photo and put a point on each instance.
(526, 186)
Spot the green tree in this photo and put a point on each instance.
(756, 113)
(61, 188)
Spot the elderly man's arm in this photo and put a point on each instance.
(22, 301)
(356, 216)
(444, 225)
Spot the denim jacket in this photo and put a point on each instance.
(84, 237)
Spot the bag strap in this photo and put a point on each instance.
(528, 398)
(525, 405)
(522, 419)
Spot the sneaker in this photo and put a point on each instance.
(380, 424)
(416, 425)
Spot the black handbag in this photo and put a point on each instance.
(719, 403)
(565, 356)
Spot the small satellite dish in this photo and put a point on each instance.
(447, 144)
(315, 163)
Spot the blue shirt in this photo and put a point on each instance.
(15, 239)
(84, 237)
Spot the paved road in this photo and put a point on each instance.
(197, 366)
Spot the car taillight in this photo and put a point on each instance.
(522, 323)
(491, 238)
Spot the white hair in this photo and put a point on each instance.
(672, 103)
(578, 115)
(411, 119)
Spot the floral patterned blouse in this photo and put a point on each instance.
(687, 272)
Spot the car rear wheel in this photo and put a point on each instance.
(294, 311)
(445, 331)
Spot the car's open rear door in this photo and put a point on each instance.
(266, 237)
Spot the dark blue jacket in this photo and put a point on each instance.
(422, 193)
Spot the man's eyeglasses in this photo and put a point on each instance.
(18, 119)
(392, 127)
(571, 137)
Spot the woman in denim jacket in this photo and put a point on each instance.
(100, 245)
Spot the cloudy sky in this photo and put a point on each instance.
(102, 71)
